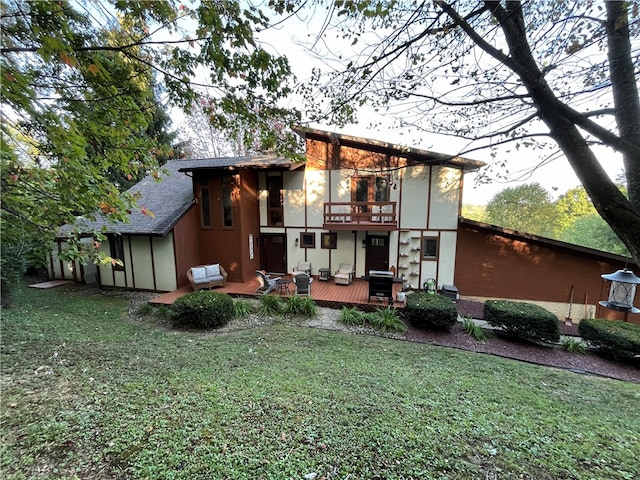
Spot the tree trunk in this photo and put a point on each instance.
(621, 214)
(625, 92)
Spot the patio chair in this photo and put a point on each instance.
(302, 267)
(303, 284)
(344, 275)
(266, 282)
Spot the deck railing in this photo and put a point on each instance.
(360, 216)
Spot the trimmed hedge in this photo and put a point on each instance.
(615, 338)
(431, 311)
(202, 309)
(522, 320)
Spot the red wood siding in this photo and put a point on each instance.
(186, 244)
(230, 246)
(499, 265)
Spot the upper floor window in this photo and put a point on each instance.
(205, 204)
(275, 199)
(227, 201)
(370, 189)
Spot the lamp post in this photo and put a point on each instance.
(621, 291)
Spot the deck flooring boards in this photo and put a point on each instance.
(324, 293)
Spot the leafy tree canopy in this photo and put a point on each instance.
(526, 208)
(572, 205)
(78, 107)
(593, 232)
(496, 73)
(571, 218)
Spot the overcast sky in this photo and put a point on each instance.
(556, 175)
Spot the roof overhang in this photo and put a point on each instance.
(413, 155)
(266, 162)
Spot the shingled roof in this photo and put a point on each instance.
(169, 197)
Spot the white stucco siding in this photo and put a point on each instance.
(139, 266)
(262, 198)
(415, 197)
(120, 278)
(164, 262)
(429, 270)
(106, 275)
(340, 185)
(294, 199)
(393, 251)
(62, 270)
(446, 258)
(295, 253)
(445, 198)
(347, 245)
(317, 193)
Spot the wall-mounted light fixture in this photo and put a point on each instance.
(364, 244)
(296, 242)
(621, 291)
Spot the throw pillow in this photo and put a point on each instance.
(212, 270)
(198, 273)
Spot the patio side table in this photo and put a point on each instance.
(282, 284)
(324, 274)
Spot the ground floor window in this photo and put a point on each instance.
(116, 249)
(429, 248)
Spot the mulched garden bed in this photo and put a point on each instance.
(554, 356)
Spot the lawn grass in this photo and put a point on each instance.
(88, 392)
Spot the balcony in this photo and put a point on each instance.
(360, 216)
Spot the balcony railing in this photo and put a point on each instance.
(360, 216)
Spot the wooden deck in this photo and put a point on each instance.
(324, 293)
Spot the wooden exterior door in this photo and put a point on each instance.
(377, 253)
(273, 256)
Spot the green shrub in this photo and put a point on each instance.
(386, 320)
(163, 311)
(431, 311)
(574, 345)
(613, 337)
(474, 330)
(241, 307)
(144, 309)
(522, 320)
(304, 306)
(351, 316)
(271, 305)
(202, 309)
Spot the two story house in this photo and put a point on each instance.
(371, 204)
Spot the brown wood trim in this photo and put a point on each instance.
(133, 270)
(430, 186)
(175, 256)
(306, 219)
(113, 271)
(153, 263)
(64, 277)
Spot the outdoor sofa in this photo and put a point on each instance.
(207, 276)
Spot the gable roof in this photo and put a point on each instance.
(413, 155)
(168, 198)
